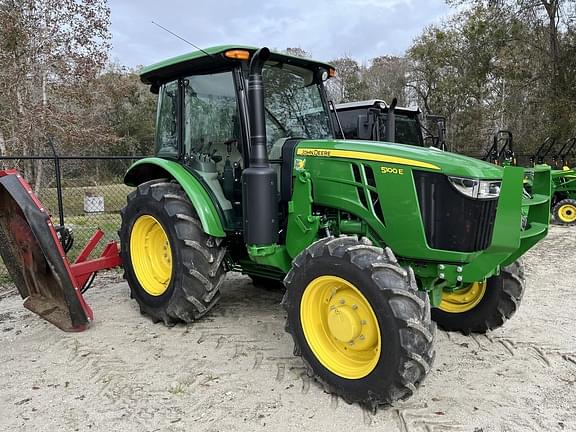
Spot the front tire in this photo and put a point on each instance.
(358, 321)
(480, 309)
(173, 268)
(564, 212)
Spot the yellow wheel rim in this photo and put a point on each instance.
(340, 327)
(463, 299)
(151, 255)
(567, 213)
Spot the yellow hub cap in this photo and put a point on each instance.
(340, 327)
(567, 213)
(463, 299)
(151, 255)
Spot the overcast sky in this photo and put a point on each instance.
(361, 29)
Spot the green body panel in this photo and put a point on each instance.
(302, 225)
(273, 256)
(402, 230)
(203, 204)
(399, 226)
(564, 183)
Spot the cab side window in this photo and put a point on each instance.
(210, 114)
(167, 120)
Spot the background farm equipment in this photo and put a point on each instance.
(34, 252)
(501, 152)
(563, 178)
(368, 120)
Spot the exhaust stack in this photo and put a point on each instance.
(391, 122)
(259, 192)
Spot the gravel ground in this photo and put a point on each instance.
(234, 370)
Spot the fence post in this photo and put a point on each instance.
(58, 182)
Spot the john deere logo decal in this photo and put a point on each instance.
(375, 157)
(299, 164)
(314, 152)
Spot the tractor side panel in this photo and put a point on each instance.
(152, 168)
(384, 196)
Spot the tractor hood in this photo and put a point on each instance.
(429, 158)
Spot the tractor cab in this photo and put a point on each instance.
(367, 120)
(203, 119)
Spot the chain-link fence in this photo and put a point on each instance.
(86, 193)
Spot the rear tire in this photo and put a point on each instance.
(392, 368)
(196, 265)
(500, 301)
(564, 212)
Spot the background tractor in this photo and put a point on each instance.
(563, 178)
(369, 120)
(501, 152)
(366, 237)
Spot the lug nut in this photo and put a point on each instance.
(354, 306)
(342, 301)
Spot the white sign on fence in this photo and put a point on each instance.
(93, 204)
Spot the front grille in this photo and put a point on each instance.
(453, 221)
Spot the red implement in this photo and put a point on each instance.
(50, 285)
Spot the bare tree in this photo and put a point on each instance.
(50, 52)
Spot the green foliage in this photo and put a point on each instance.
(498, 65)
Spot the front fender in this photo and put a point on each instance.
(152, 168)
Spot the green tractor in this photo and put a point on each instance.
(563, 178)
(502, 150)
(369, 239)
(369, 120)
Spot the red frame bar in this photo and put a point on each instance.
(92, 243)
(83, 270)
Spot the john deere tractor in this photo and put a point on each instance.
(372, 120)
(563, 178)
(366, 237)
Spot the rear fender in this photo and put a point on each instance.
(153, 168)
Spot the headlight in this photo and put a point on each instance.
(475, 188)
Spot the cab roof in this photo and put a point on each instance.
(213, 59)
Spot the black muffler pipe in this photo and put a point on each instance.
(259, 191)
(391, 122)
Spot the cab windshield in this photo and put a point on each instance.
(407, 129)
(293, 103)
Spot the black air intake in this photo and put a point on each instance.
(452, 221)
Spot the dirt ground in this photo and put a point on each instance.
(234, 370)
